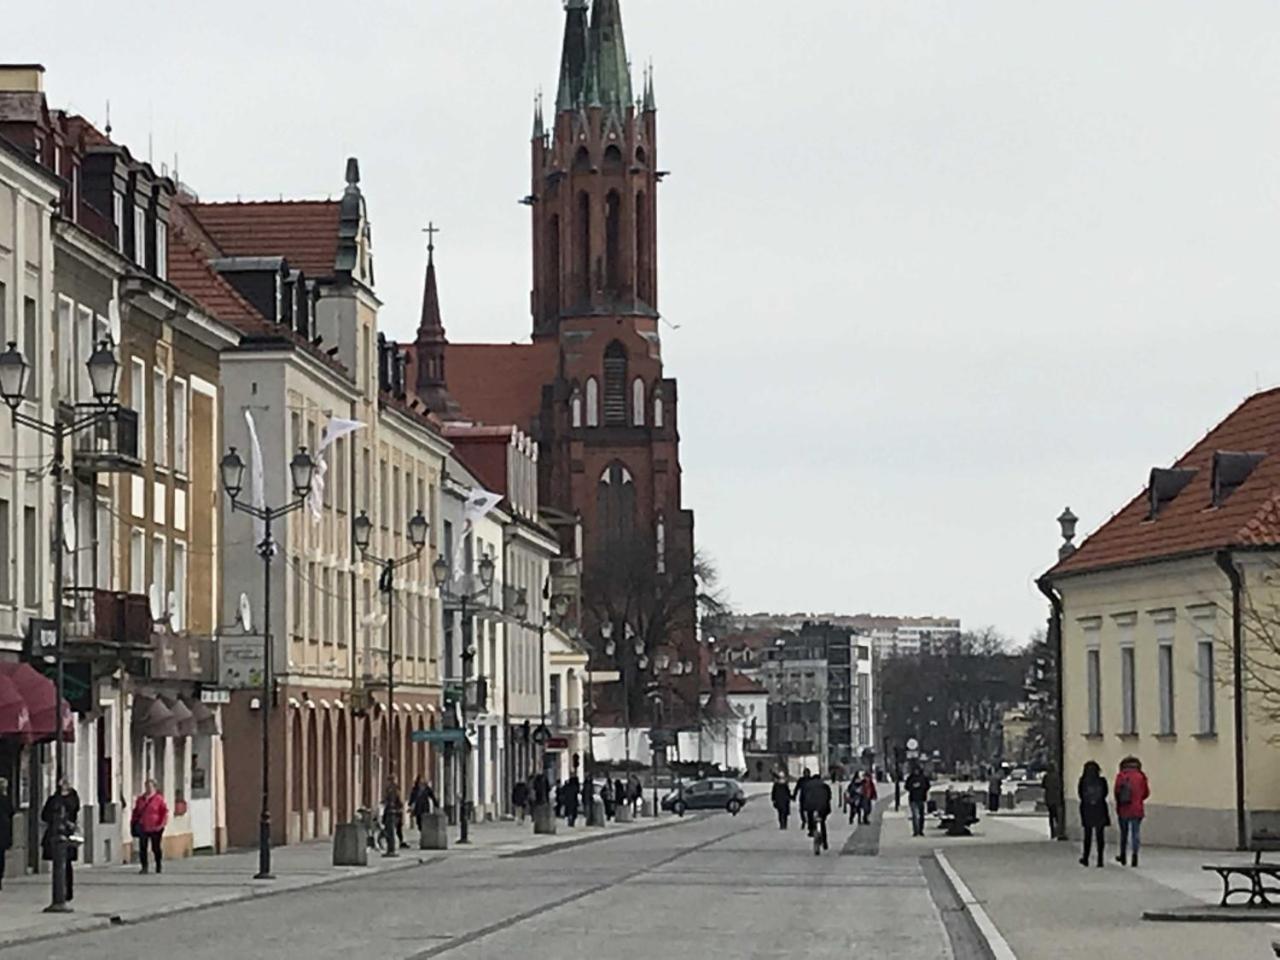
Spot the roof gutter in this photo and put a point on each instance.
(1227, 564)
(1060, 746)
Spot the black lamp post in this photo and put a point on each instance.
(440, 572)
(301, 472)
(361, 530)
(104, 374)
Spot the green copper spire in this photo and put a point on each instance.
(574, 64)
(609, 53)
(650, 102)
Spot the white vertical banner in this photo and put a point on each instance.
(257, 480)
(334, 430)
(480, 503)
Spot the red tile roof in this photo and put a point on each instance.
(304, 232)
(741, 683)
(501, 383)
(1190, 524)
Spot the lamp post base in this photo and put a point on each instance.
(58, 908)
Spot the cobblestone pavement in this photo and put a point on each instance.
(718, 886)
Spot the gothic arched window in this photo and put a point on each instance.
(637, 402)
(616, 503)
(660, 543)
(582, 258)
(644, 268)
(612, 159)
(615, 384)
(659, 415)
(575, 408)
(613, 242)
(593, 402)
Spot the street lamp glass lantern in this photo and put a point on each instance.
(361, 531)
(104, 373)
(303, 470)
(418, 531)
(232, 470)
(520, 607)
(440, 571)
(486, 572)
(560, 604)
(13, 376)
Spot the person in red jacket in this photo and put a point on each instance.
(150, 817)
(867, 793)
(1131, 792)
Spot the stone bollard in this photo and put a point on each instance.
(624, 814)
(597, 813)
(544, 819)
(646, 807)
(435, 832)
(350, 849)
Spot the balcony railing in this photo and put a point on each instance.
(107, 622)
(109, 447)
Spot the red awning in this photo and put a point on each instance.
(15, 719)
(41, 699)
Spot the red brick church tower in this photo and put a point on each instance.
(590, 385)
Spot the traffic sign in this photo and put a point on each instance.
(437, 736)
(913, 744)
(557, 743)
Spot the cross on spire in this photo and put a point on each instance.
(431, 230)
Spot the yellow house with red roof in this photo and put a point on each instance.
(1169, 623)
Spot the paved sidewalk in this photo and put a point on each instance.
(119, 894)
(1048, 907)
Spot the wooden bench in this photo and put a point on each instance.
(1257, 882)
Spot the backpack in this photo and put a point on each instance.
(1124, 792)
(1094, 792)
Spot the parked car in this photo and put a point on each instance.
(715, 793)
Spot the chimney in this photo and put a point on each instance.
(21, 78)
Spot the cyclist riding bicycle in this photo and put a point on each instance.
(815, 801)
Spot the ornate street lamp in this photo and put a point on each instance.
(13, 376)
(104, 373)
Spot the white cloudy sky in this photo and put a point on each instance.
(937, 268)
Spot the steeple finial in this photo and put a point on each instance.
(611, 69)
(574, 59)
(650, 101)
(431, 328)
(431, 384)
(538, 129)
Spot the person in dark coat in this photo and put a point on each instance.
(6, 825)
(620, 798)
(569, 799)
(781, 797)
(1051, 782)
(422, 801)
(798, 794)
(917, 787)
(520, 800)
(559, 800)
(588, 799)
(1095, 815)
(69, 801)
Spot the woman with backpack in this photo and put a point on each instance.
(1095, 816)
(1132, 790)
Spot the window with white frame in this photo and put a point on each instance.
(31, 346)
(159, 418)
(6, 554)
(1093, 682)
(593, 402)
(117, 215)
(1206, 679)
(180, 425)
(179, 612)
(81, 351)
(1165, 653)
(159, 594)
(66, 348)
(138, 396)
(137, 562)
(1128, 690)
(140, 236)
(102, 546)
(30, 558)
(162, 249)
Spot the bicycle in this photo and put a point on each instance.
(375, 835)
(818, 830)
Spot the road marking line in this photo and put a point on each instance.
(996, 942)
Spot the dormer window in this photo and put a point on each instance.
(162, 250)
(139, 235)
(1163, 486)
(1230, 470)
(117, 218)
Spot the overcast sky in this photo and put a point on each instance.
(933, 270)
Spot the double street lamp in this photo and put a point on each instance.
(559, 607)
(642, 664)
(302, 471)
(104, 376)
(362, 531)
(441, 573)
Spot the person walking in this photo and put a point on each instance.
(606, 796)
(620, 797)
(1095, 816)
(66, 798)
(541, 792)
(150, 817)
(422, 800)
(393, 815)
(6, 825)
(994, 788)
(588, 800)
(1051, 783)
(569, 799)
(917, 786)
(867, 796)
(781, 796)
(520, 800)
(1131, 792)
(798, 795)
(850, 799)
